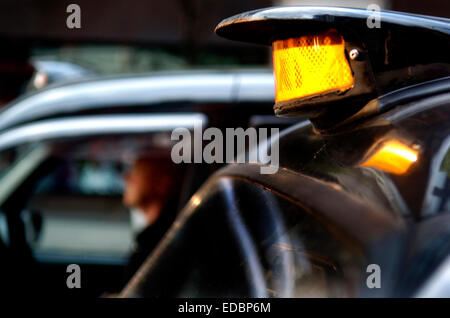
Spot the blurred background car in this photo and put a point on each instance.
(64, 148)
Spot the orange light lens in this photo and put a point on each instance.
(310, 65)
(393, 157)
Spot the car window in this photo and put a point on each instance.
(76, 211)
(72, 206)
(72, 201)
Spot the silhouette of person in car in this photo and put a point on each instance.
(152, 195)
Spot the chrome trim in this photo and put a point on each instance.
(141, 90)
(105, 124)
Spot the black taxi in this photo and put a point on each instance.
(359, 205)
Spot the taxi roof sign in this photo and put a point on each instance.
(372, 61)
(263, 26)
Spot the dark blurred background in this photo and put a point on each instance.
(124, 36)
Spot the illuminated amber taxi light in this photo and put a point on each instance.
(310, 65)
(393, 157)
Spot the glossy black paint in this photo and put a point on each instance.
(378, 217)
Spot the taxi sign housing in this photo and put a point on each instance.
(405, 50)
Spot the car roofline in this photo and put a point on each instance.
(82, 126)
(229, 86)
(168, 73)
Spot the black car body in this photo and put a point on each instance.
(362, 188)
